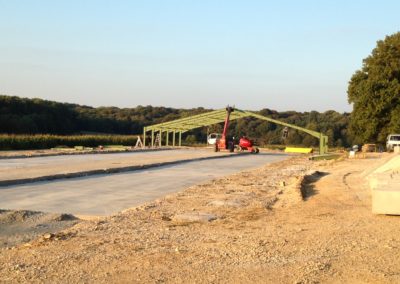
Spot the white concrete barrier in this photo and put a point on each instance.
(385, 186)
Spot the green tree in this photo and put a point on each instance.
(374, 92)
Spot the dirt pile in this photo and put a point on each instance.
(21, 226)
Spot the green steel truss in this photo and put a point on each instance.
(183, 125)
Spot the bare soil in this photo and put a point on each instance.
(21, 226)
(294, 221)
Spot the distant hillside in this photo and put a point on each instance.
(30, 116)
(33, 116)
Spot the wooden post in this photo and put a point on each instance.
(173, 139)
(152, 138)
(144, 137)
(167, 141)
(180, 138)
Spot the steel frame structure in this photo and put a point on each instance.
(186, 124)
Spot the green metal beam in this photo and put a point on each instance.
(311, 132)
(196, 121)
(198, 117)
(323, 139)
(186, 124)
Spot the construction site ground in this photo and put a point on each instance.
(106, 194)
(38, 166)
(293, 221)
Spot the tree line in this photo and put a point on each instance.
(37, 116)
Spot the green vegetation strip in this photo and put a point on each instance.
(29, 142)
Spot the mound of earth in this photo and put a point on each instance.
(21, 226)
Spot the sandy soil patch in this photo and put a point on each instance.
(18, 227)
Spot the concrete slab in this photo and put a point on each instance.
(108, 194)
(42, 168)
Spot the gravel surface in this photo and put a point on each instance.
(294, 221)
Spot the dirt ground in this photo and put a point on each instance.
(18, 227)
(295, 221)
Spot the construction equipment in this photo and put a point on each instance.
(179, 126)
(247, 144)
(226, 142)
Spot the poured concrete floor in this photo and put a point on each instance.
(108, 194)
(22, 168)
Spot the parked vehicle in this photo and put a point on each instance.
(392, 141)
(213, 137)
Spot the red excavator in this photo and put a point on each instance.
(228, 143)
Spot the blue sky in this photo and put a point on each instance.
(283, 55)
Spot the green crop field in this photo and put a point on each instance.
(45, 141)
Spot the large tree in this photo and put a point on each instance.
(374, 92)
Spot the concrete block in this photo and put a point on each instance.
(385, 187)
(386, 201)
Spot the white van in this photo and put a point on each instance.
(392, 141)
(213, 137)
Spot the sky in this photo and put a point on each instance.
(282, 55)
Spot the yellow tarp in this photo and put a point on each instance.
(298, 150)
